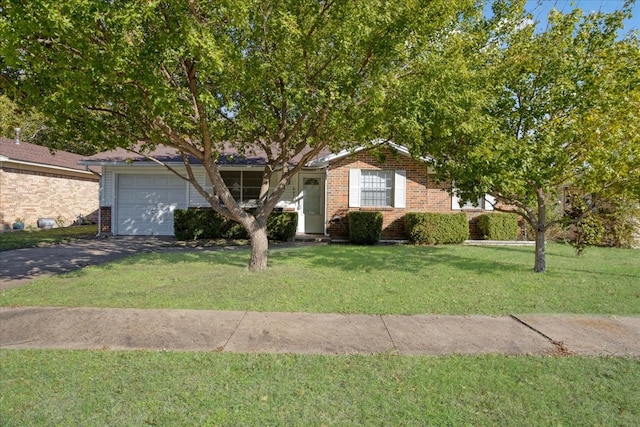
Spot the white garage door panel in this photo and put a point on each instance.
(146, 204)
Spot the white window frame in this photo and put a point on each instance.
(398, 188)
(483, 203)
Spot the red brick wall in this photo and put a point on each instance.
(105, 219)
(422, 192)
(32, 194)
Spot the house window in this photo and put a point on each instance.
(376, 188)
(478, 204)
(484, 203)
(243, 185)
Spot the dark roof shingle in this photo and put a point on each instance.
(229, 156)
(38, 154)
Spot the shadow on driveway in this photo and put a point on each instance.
(19, 266)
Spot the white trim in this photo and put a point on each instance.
(325, 160)
(354, 188)
(44, 165)
(489, 201)
(300, 177)
(455, 202)
(484, 203)
(400, 189)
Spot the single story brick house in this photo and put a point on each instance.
(138, 196)
(36, 183)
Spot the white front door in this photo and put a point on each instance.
(311, 205)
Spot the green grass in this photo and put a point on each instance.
(157, 388)
(31, 238)
(44, 387)
(354, 279)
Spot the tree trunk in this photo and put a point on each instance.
(259, 248)
(540, 264)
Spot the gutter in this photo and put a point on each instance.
(42, 165)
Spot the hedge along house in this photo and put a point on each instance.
(36, 183)
(138, 196)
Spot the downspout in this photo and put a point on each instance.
(326, 202)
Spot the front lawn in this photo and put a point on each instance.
(355, 279)
(195, 389)
(42, 237)
(43, 387)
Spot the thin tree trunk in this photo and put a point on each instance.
(259, 248)
(540, 264)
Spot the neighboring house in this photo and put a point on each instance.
(36, 183)
(138, 196)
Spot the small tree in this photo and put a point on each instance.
(540, 110)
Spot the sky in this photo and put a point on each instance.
(540, 9)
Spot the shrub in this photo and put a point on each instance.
(282, 226)
(498, 226)
(365, 228)
(199, 223)
(436, 228)
(235, 231)
(205, 223)
(586, 224)
(620, 223)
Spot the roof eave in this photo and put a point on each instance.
(326, 160)
(43, 165)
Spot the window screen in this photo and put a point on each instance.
(376, 188)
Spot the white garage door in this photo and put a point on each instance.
(145, 204)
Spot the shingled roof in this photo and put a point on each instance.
(37, 154)
(229, 156)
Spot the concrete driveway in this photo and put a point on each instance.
(22, 265)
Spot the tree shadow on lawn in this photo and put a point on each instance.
(348, 258)
(564, 266)
(389, 258)
(232, 257)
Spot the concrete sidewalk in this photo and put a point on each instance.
(257, 332)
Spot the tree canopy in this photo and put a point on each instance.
(540, 111)
(289, 77)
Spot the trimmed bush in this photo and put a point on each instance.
(365, 228)
(498, 226)
(234, 231)
(436, 228)
(282, 226)
(205, 223)
(199, 223)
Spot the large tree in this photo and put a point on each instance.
(538, 110)
(289, 77)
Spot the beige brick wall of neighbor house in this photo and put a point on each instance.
(423, 194)
(34, 194)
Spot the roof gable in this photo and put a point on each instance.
(330, 158)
